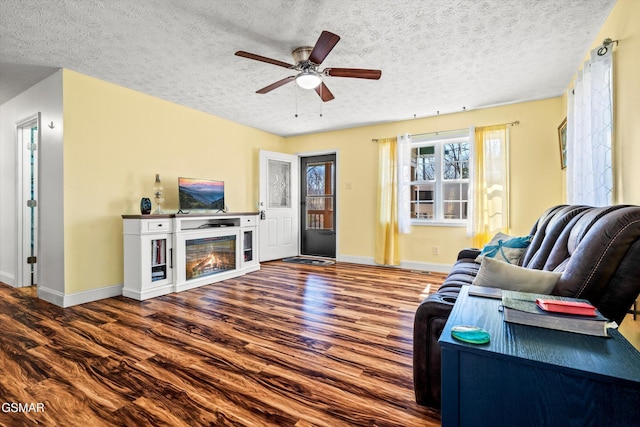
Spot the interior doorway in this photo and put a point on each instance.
(28, 138)
(318, 205)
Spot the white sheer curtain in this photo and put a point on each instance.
(404, 183)
(589, 133)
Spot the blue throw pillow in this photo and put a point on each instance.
(505, 248)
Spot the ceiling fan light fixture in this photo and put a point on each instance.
(308, 80)
(306, 62)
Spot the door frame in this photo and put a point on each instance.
(336, 212)
(23, 222)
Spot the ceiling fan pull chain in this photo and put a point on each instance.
(295, 91)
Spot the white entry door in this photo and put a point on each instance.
(279, 205)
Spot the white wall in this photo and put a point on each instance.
(45, 97)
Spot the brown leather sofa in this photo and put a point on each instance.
(596, 249)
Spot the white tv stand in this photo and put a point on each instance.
(173, 253)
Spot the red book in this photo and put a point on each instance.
(566, 307)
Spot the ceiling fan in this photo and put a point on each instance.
(307, 60)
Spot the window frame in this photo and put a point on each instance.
(438, 141)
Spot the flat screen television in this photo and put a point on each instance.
(200, 194)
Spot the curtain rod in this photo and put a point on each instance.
(514, 123)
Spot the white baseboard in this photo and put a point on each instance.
(408, 265)
(51, 296)
(426, 266)
(68, 300)
(355, 259)
(8, 278)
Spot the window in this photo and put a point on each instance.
(440, 178)
(320, 181)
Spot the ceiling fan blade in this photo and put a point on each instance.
(276, 85)
(326, 42)
(357, 73)
(324, 92)
(263, 59)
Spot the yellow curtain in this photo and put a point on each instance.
(490, 187)
(387, 236)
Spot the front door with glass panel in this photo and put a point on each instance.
(318, 196)
(279, 204)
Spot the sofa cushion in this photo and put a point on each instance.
(499, 274)
(505, 248)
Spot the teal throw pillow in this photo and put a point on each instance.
(505, 248)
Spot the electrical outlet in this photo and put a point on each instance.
(436, 250)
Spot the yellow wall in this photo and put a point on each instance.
(536, 177)
(622, 25)
(115, 141)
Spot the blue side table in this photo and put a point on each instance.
(529, 376)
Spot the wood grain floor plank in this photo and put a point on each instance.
(329, 371)
(272, 396)
(289, 345)
(85, 376)
(66, 406)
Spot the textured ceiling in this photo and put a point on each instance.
(435, 55)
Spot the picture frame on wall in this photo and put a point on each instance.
(562, 140)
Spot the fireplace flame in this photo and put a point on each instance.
(210, 262)
(207, 258)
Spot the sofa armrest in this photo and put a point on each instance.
(429, 321)
(469, 253)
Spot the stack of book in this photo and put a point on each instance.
(554, 312)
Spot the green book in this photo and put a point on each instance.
(521, 307)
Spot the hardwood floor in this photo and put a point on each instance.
(289, 345)
(630, 329)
